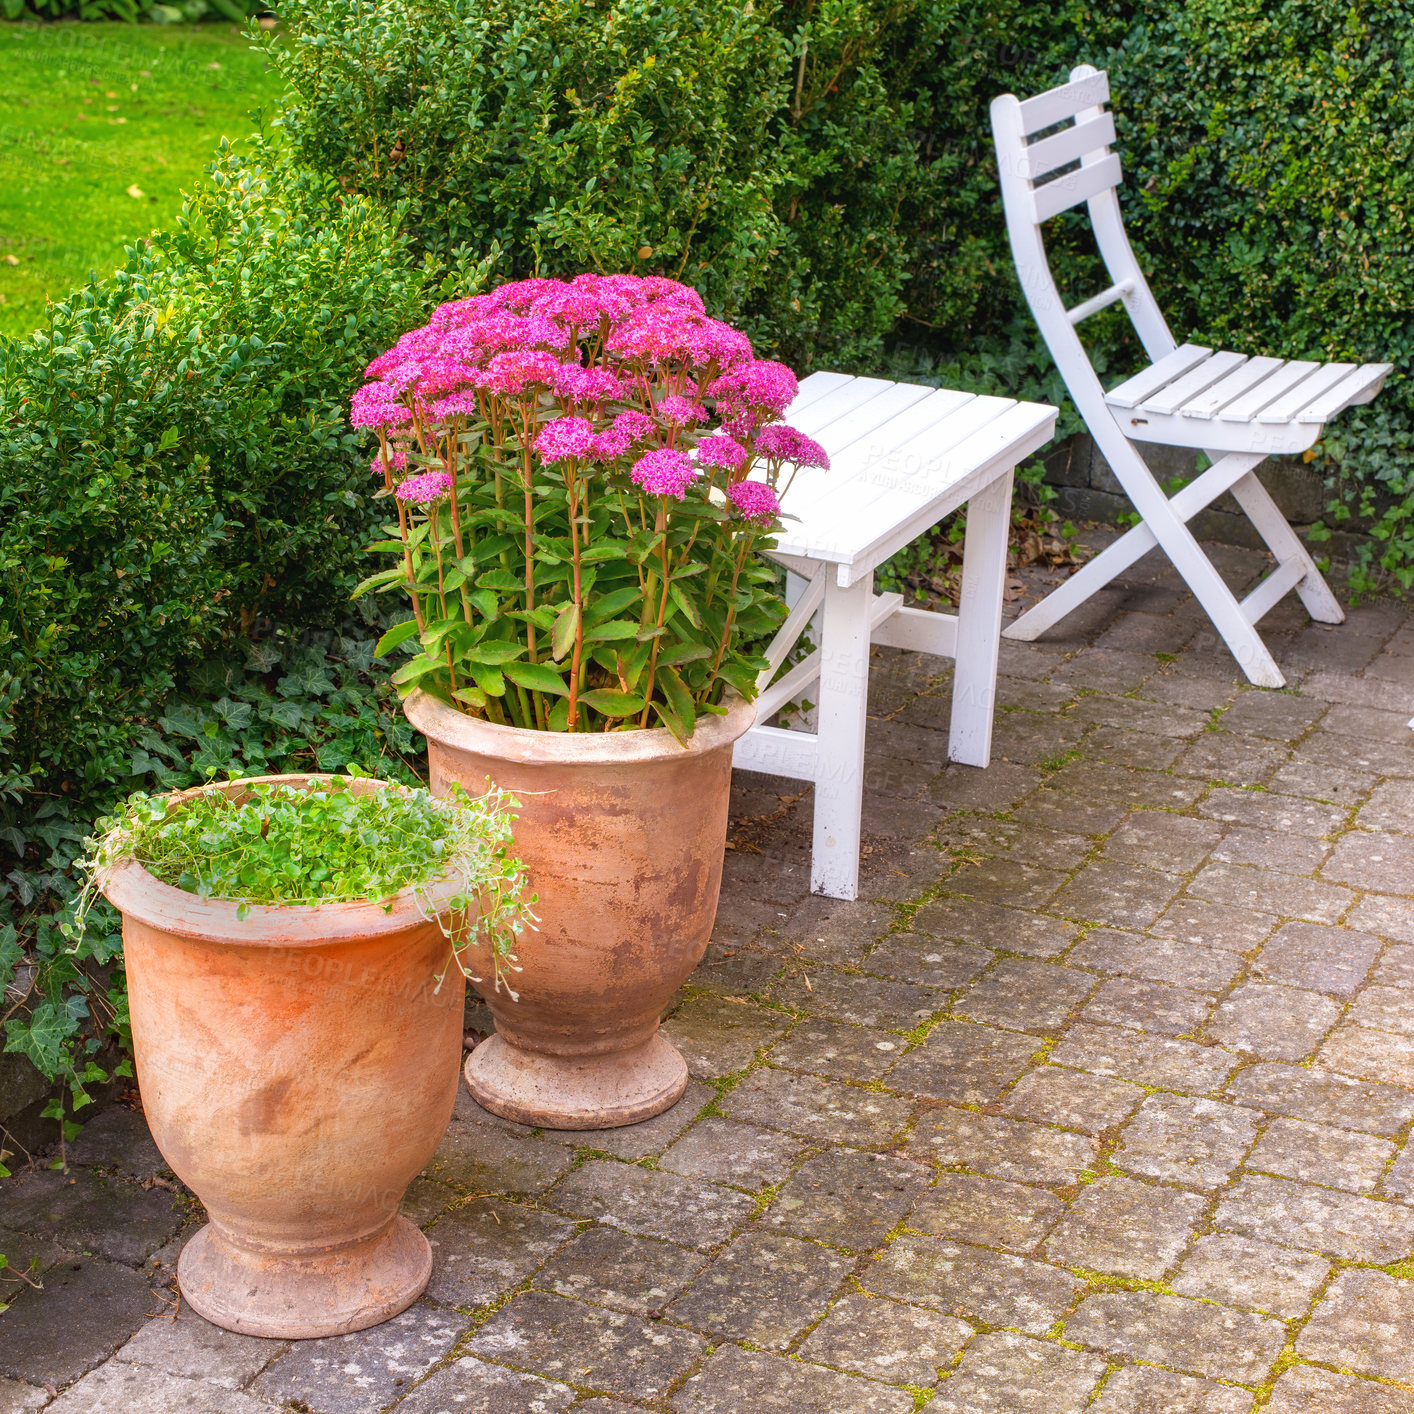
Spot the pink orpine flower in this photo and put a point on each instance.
(513, 374)
(665, 472)
(721, 450)
(397, 460)
(615, 294)
(681, 412)
(462, 404)
(413, 344)
(500, 332)
(755, 501)
(519, 295)
(785, 444)
(660, 289)
(611, 444)
(568, 306)
(376, 405)
(668, 331)
(637, 426)
(457, 313)
(564, 438)
(587, 385)
(425, 490)
(763, 388)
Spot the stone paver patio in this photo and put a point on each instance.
(1100, 1100)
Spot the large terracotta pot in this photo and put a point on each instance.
(622, 836)
(298, 1067)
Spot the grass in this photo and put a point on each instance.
(102, 127)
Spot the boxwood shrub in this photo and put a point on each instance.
(180, 476)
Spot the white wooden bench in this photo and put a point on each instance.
(1236, 409)
(902, 457)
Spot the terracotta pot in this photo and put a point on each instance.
(298, 1067)
(622, 836)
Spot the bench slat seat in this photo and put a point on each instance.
(902, 457)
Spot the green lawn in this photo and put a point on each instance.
(102, 127)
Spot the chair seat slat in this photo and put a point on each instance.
(1158, 375)
(1074, 187)
(1285, 408)
(1245, 408)
(1196, 381)
(1226, 390)
(1350, 389)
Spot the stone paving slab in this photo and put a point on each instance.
(1099, 1098)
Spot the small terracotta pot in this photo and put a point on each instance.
(298, 1068)
(622, 836)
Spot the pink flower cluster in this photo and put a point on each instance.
(425, 490)
(754, 501)
(785, 444)
(664, 473)
(633, 367)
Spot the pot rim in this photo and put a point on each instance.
(139, 894)
(449, 726)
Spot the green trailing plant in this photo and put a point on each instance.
(335, 840)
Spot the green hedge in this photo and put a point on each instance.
(180, 475)
(823, 169)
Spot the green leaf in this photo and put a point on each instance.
(399, 633)
(672, 721)
(685, 605)
(681, 653)
(643, 545)
(613, 702)
(612, 603)
(538, 677)
(679, 698)
(487, 678)
(562, 635)
(415, 669)
(379, 581)
(492, 650)
(502, 580)
(615, 631)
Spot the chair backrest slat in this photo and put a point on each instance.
(1070, 189)
(1089, 90)
(1068, 145)
(1029, 204)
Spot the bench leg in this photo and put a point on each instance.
(844, 700)
(979, 624)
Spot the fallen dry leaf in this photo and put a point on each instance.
(12, 260)
(135, 190)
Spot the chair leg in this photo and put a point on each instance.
(839, 775)
(1286, 545)
(1221, 605)
(979, 623)
(1087, 580)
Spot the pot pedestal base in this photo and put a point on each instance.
(299, 1298)
(568, 1092)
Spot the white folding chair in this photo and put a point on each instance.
(1238, 410)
